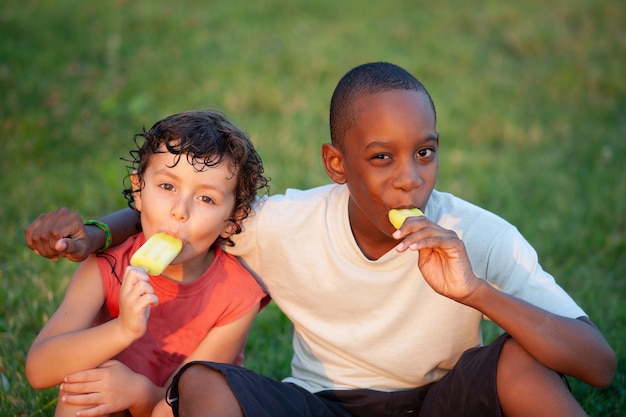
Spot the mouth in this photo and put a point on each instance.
(176, 235)
(398, 216)
(405, 207)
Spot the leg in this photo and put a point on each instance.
(528, 388)
(162, 409)
(63, 409)
(206, 393)
(209, 388)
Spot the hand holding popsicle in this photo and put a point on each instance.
(442, 256)
(136, 298)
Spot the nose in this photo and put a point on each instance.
(180, 210)
(408, 176)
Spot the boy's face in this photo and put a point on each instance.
(389, 160)
(192, 204)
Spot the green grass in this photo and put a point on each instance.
(531, 107)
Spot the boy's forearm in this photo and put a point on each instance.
(563, 344)
(122, 223)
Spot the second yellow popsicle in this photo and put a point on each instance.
(398, 216)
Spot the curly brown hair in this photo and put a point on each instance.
(205, 138)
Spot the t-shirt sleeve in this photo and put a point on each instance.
(513, 267)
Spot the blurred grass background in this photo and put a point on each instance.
(531, 102)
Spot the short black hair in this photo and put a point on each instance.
(366, 79)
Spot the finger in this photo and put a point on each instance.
(74, 249)
(135, 273)
(78, 388)
(426, 236)
(136, 294)
(410, 240)
(52, 258)
(43, 242)
(143, 302)
(41, 235)
(28, 235)
(134, 285)
(451, 246)
(110, 363)
(47, 247)
(132, 276)
(89, 399)
(87, 375)
(63, 246)
(412, 225)
(151, 299)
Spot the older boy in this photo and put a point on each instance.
(387, 322)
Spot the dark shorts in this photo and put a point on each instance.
(469, 389)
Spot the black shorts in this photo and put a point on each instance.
(469, 389)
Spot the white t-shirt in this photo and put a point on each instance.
(377, 324)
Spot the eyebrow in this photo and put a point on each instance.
(204, 186)
(382, 143)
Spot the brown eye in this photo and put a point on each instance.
(425, 153)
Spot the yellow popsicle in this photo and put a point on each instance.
(157, 253)
(398, 216)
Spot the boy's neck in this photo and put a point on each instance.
(374, 250)
(191, 270)
(372, 245)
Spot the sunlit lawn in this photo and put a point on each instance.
(531, 110)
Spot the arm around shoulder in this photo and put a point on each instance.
(62, 233)
(123, 224)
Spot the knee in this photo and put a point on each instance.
(204, 391)
(516, 364)
(527, 387)
(515, 359)
(198, 375)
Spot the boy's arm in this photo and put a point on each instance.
(63, 233)
(570, 346)
(68, 342)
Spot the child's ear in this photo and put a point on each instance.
(135, 184)
(333, 163)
